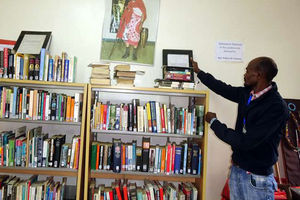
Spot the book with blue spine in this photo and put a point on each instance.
(134, 155)
(42, 63)
(185, 145)
(14, 102)
(66, 74)
(159, 160)
(153, 116)
(21, 68)
(117, 155)
(50, 70)
(199, 163)
(177, 161)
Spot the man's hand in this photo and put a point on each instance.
(209, 116)
(195, 66)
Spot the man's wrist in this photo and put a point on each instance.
(212, 120)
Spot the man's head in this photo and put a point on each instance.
(260, 70)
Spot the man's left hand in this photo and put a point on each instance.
(209, 116)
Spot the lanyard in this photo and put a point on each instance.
(248, 102)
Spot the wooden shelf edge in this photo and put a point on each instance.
(120, 133)
(37, 83)
(148, 89)
(41, 122)
(143, 176)
(40, 171)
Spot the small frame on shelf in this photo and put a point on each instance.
(31, 42)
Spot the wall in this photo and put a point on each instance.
(265, 27)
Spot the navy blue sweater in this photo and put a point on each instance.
(256, 150)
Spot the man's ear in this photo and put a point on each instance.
(260, 74)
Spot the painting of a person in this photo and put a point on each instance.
(130, 27)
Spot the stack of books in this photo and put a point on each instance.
(100, 74)
(124, 76)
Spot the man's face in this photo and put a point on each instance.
(251, 75)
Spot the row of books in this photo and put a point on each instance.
(32, 104)
(152, 117)
(12, 187)
(177, 73)
(33, 148)
(170, 84)
(151, 190)
(41, 67)
(183, 158)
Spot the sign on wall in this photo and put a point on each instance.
(229, 51)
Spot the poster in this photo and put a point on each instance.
(130, 31)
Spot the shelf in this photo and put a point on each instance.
(40, 171)
(117, 132)
(41, 84)
(151, 91)
(41, 122)
(143, 176)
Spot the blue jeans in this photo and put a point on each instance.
(244, 185)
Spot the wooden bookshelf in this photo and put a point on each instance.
(62, 87)
(202, 97)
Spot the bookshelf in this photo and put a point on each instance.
(123, 94)
(79, 128)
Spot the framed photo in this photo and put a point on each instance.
(31, 42)
(130, 31)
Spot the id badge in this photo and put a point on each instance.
(244, 129)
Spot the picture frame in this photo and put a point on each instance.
(31, 42)
(129, 31)
(177, 58)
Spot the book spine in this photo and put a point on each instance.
(37, 69)
(50, 71)
(158, 117)
(46, 67)
(145, 154)
(1, 64)
(11, 70)
(66, 74)
(42, 65)
(5, 62)
(117, 155)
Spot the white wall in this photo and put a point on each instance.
(265, 27)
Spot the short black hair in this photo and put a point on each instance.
(268, 67)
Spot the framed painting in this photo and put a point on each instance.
(130, 31)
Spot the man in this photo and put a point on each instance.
(262, 115)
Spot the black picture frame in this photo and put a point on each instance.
(46, 42)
